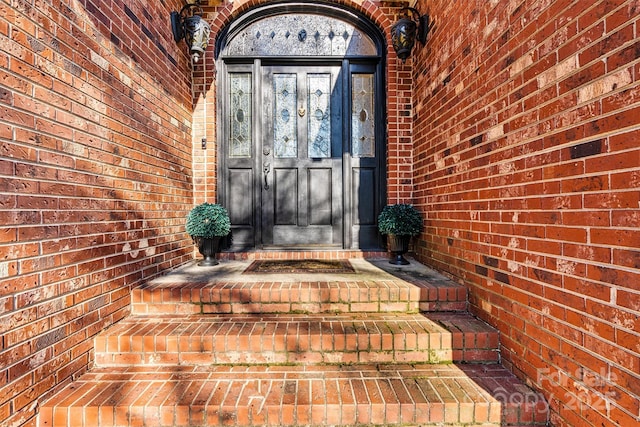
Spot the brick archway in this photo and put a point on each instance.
(398, 104)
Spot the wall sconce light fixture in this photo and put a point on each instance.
(406, 30)
(189, 24)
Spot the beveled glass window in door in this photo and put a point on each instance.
(319, 124)
(285, 128)
(240, 120)
(362, 116)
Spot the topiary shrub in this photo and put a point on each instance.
(208, 220)
(400, 219)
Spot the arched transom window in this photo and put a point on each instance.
(300, 34)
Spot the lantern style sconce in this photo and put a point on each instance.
(406, 30)
(189, 24)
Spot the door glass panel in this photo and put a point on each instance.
(285, 137)
(240, 115)
(362, 116)
(319, 124)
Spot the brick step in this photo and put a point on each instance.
(375, 286)
(373, 395)
(286, 338)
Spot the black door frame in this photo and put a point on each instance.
(252, 239)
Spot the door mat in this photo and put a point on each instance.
(309, 266)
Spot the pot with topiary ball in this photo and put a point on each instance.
(207, 223)
(399, 222)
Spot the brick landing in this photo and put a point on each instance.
(376, 286)
(213, 347)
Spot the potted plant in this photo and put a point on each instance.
(399, 222)
(207, 223)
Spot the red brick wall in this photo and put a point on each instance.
(95, 179)
(527, 166)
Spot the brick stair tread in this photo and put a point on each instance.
(475, 395)
(296, 338)
(225, 289)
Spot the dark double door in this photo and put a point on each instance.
(288, 177)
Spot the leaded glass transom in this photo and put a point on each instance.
(240, 117)
(362, 116)
(285, 137)
(300, 34)
(319, 122)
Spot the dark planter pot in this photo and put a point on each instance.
(208, 247)
(398, 246)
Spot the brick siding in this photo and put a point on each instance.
(527, 167)
(95, 179)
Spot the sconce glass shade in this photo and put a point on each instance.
(194, 29)
(196, 34)
(403, 37)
